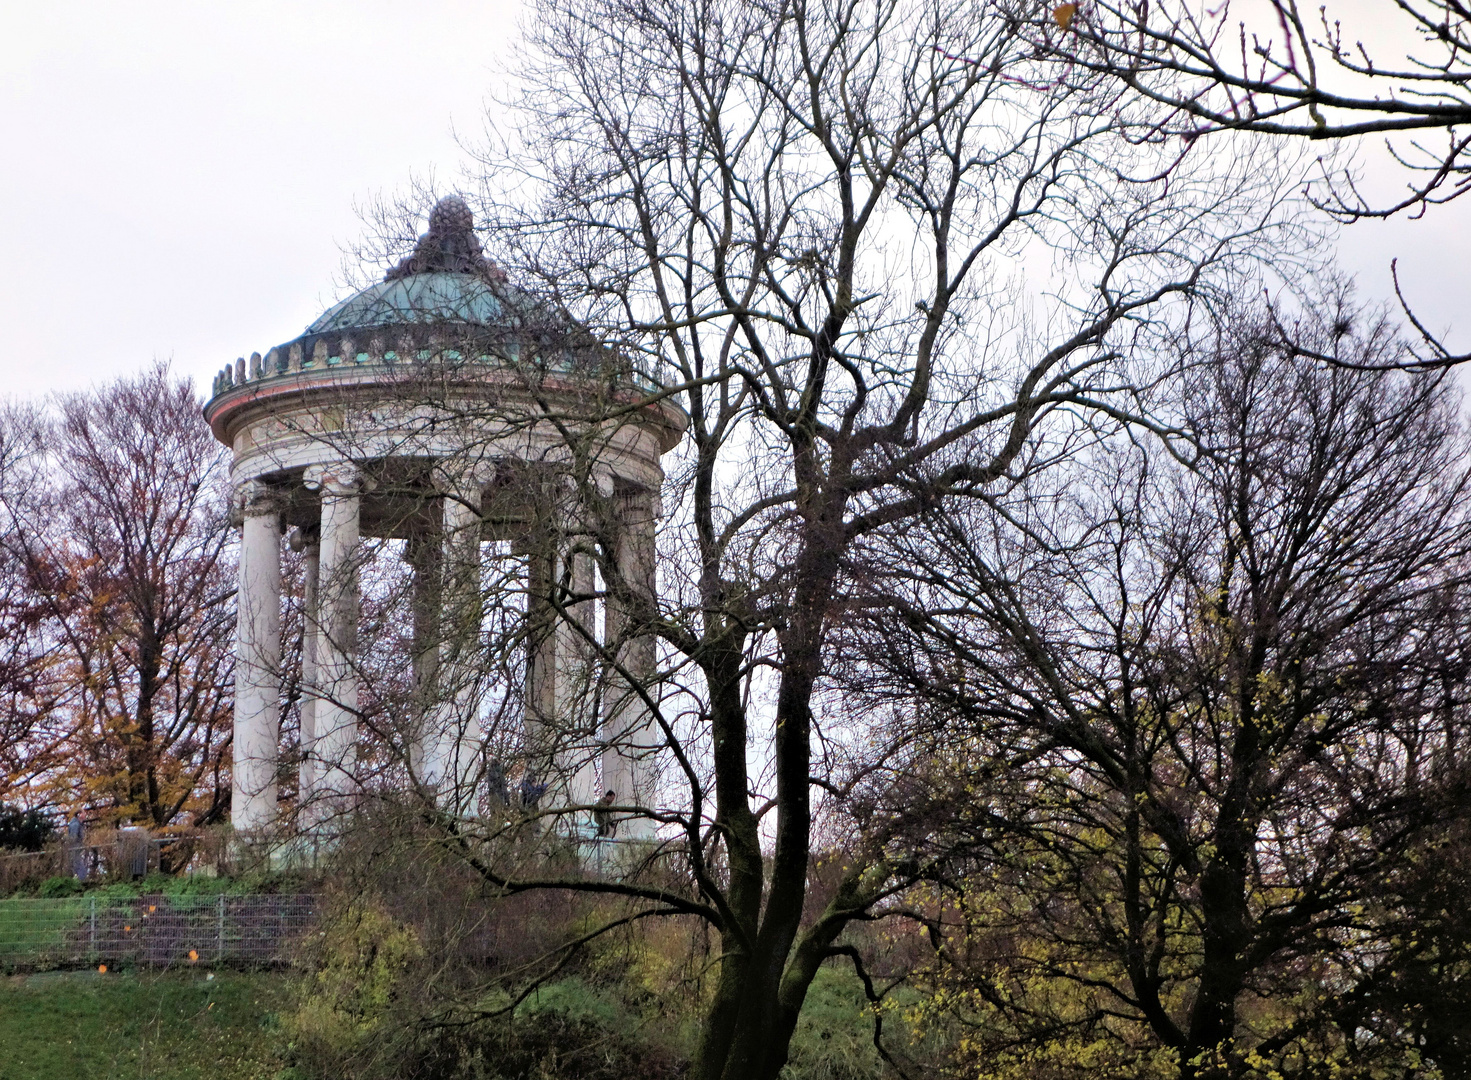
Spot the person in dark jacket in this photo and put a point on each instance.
(531, 791)
(603, 817)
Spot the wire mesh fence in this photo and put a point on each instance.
(157, 931)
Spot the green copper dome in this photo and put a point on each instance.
(430, 297)
(445, 282)
(444, 302)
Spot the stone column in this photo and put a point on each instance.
(630, 736)
(306, 542)
(335, 747)
(561, 727)
(541, 666)
(575, 696)
(451, 741)
(424, 552)
(257, 661)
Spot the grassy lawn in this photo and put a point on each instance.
(140, 1026)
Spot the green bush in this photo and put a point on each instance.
(341, 1025)
(64, 885)
(198, 885)
(578, 1001)
(169, 885)
(114, 890)
(24, 830)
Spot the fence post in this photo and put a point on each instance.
(220, 929)
(92, 929)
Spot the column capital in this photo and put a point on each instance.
(644, 502)
(462, 481)
(255, 498)
(339, 479)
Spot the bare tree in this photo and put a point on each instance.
(796, 223)
(1336, 76)
(1216, 730)
(1333, 73)
(30, 747)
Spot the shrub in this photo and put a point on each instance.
(548, 1045)
(378, 1005)
(26, 830)
(362, 956)
(60, 886)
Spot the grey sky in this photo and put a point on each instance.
(179, 179)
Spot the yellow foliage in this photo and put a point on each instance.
(364, 954)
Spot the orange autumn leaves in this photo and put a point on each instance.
(122, 579)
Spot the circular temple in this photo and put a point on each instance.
(442, 407)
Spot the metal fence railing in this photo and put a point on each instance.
(156, 930)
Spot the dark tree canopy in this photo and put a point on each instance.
(25, 830)
(1216, 722)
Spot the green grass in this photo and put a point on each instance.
(138, 1026)
(834, 1036)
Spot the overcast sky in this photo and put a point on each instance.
(179, 180)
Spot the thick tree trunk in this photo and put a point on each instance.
(1225, 914)
(762, 984)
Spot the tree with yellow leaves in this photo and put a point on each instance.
(119, 543)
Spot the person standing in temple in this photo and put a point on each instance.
(603, 817)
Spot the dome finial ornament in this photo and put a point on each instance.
(450, 245)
